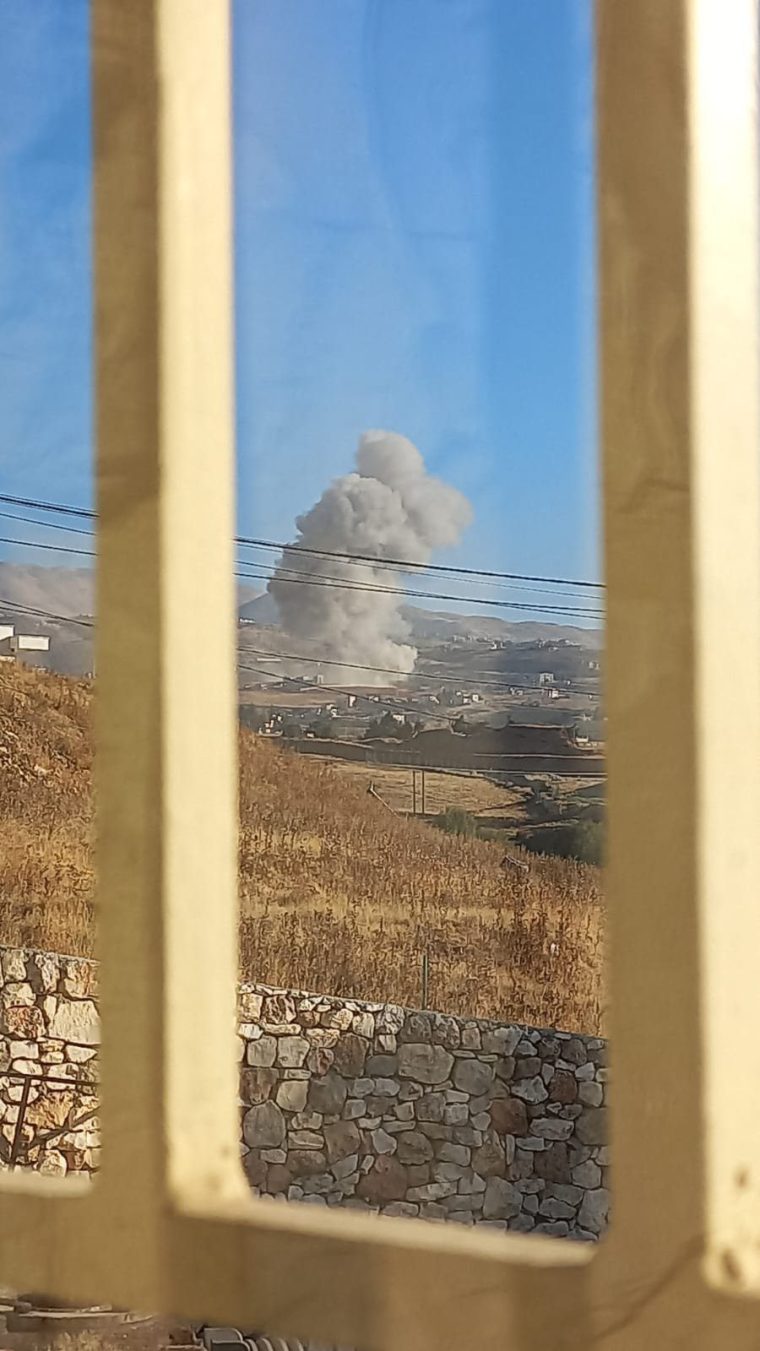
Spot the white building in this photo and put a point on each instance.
(33, 649)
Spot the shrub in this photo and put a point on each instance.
(581, 840)
(456, 821)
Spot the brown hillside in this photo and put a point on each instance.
(335, 893)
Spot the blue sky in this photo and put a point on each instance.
(414, 237)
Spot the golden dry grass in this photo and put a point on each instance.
(336, 894)
(473, 793)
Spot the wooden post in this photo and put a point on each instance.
(425, 978)
(414, 792)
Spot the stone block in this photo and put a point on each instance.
(414, 1147)
(448, 1172)
(456, 1114)
(562, 1192)
(256, 1084)
(351, 1055)
(574, 1051)
(23, 1022)
(264, 1126)
(509, 1116)
(521, 1224)
(262, 1052)
(563, 1087)
(382, 1065)
(451, 1153)
(501, 1201)
(587, 1175)
(433, 1191)
(552, 1128)
(345, 1168)
(385, 1181)
(79, 977)
(594, 1211)
(386, 1088)
(446, 1031)
(323, 1036)
(591, 1126)
(249, 1006)
(292, 1052)
(425, 1063)
(553, 1209)
(416, 1027)
(278, 1008)
(328, 1094)
(305, 1140)
(431, 1107)
(291, 1095)
(489, 1160)
(13, 964)
(306, 1162)
(319, 1060)
(279, 1178)
(501, 1040)
(472, 1184)
(382, 1142)
(591, 1094)
(530, 1090)
(418, 1174)
(587, 1072)
(76, 1020)
(255, 1169)
(472, 1076)
(553, 1164)
(342, 1139)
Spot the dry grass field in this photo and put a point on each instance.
(336, 894)
(485, 800)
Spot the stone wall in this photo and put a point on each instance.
(370, 1106)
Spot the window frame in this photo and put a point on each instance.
(169, 1223)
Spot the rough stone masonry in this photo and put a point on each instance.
(370, 1106)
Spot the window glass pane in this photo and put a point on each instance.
(422, 745)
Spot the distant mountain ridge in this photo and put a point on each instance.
(70, 594)
(440, 625)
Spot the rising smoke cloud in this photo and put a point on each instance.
(390, 507)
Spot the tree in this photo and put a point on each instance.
(322, 728)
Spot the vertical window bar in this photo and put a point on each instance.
(678, 219)
(166, 735)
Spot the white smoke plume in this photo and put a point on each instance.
(389, 508)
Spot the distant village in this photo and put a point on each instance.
(536, 702)
(472, 702)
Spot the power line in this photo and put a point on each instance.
(416, 675)
(337, 584)
(37, 613)
(311, 578)
(307, 579)
(81, 530)
(408, 565)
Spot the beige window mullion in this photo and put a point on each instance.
(166, 753)
(169, 1224)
